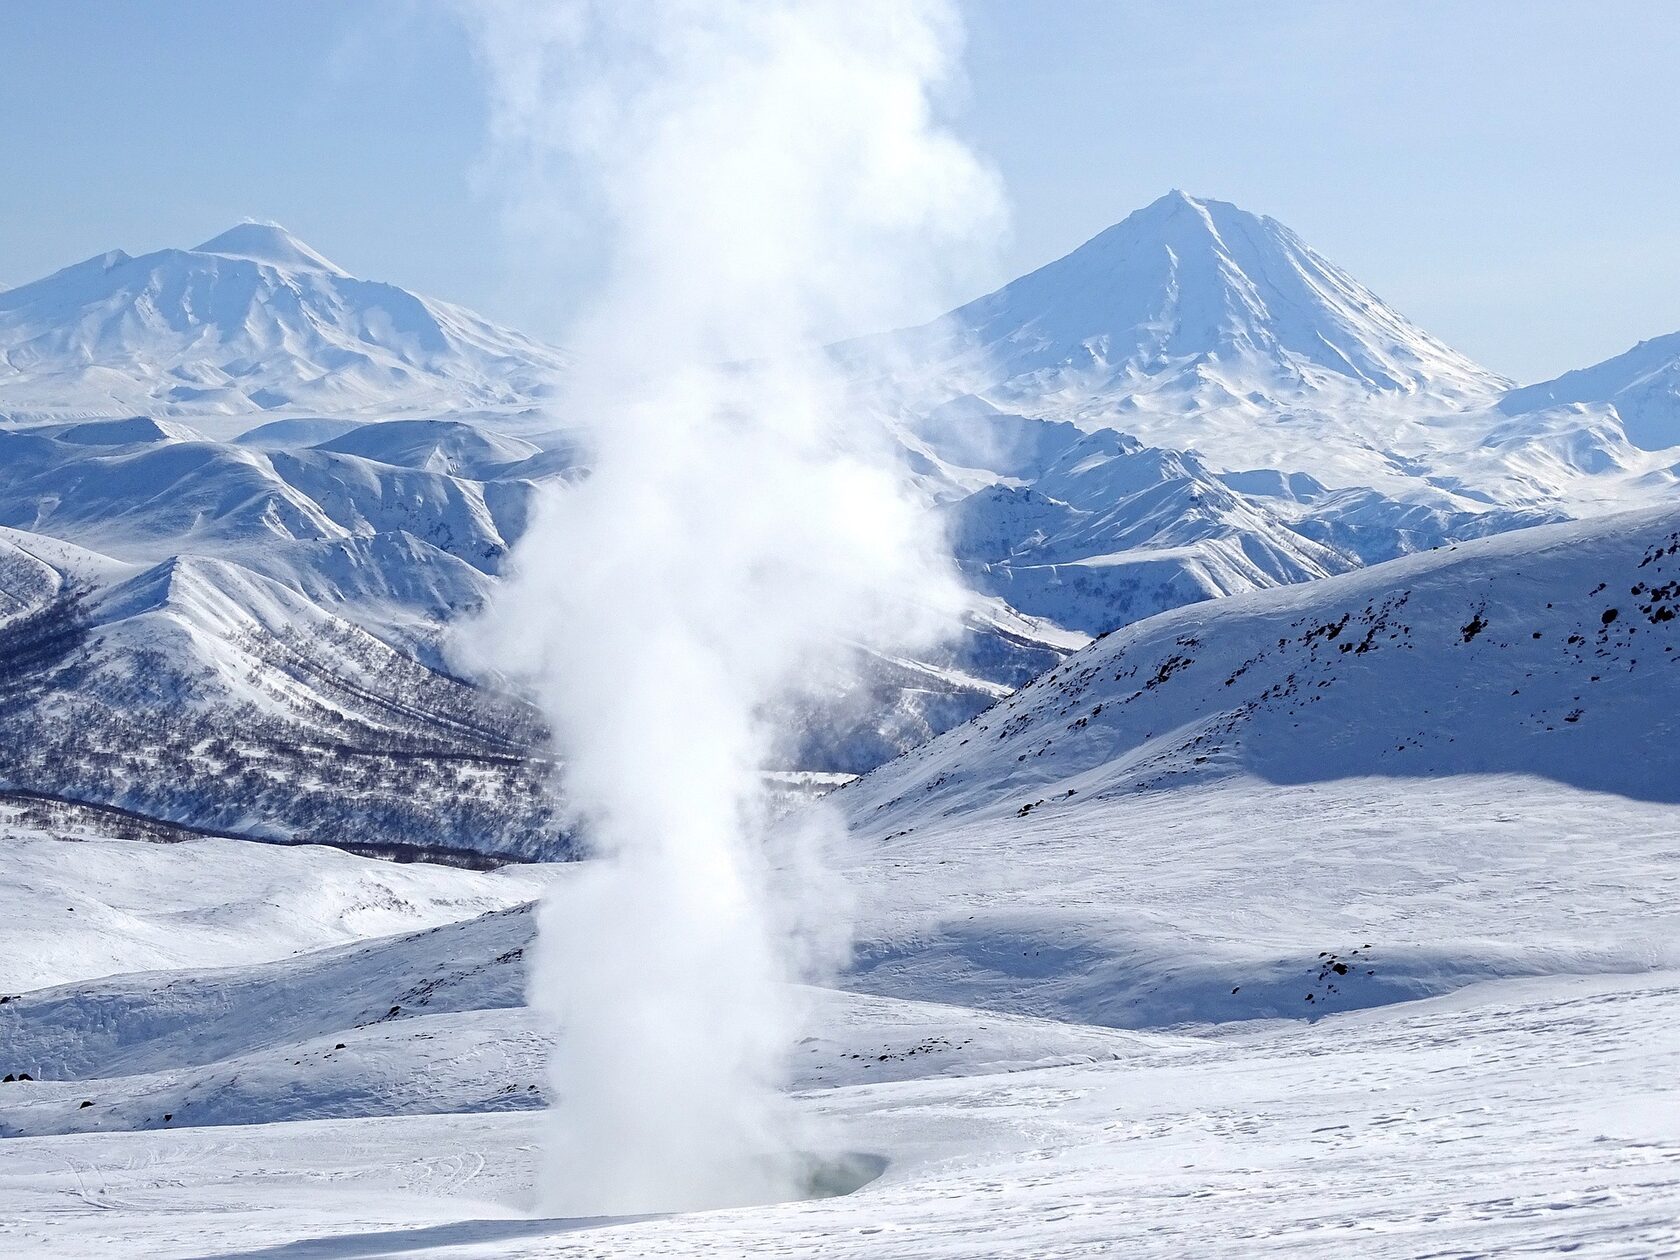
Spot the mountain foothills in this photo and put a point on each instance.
(247, 499)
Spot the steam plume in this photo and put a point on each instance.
(765, 172)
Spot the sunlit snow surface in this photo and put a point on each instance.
(1532, 1112)
(1458, 1127)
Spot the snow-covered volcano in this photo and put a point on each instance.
(1193, 303)
(1199, 301)
(251, 320)
(1196, 325)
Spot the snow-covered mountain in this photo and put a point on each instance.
(451, 447)
(252, 320)
(1309, 872)
(1112, 531)
(1196, 325)
(400, 527)
(198, 692)
(1552, 651)
(1195, 403)
(1194, 303)
(139, 493)
(228, 411)
(1642, 384)
(1109, 928)
(1193, 323)
(1463, 726)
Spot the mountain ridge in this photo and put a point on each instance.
(251, 321)
(1642, 384)
(1067, 508)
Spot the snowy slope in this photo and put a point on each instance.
(398, 550)
(37, 571)
(432, 1020)
(1375, 1006)
(27, 582)
(1368, 526)
(80, 904)
(1451, 1129)
(1441, 769)
(252, 320)
(1111, 531)
(159, 495)
(1530, 1113)
(1642, 384)
(1548, 650)
(445, 446)
(200, 692)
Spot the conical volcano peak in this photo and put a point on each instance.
(1189, 226)
(1178, 202)
(1176, 219)
(1195, 296)
(267, 243)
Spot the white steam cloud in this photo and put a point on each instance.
(765, 172)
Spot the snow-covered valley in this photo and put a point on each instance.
(377, 1099)
(1281, 859)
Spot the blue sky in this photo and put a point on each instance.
(1503, 173)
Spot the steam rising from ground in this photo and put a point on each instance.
(766, 171)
